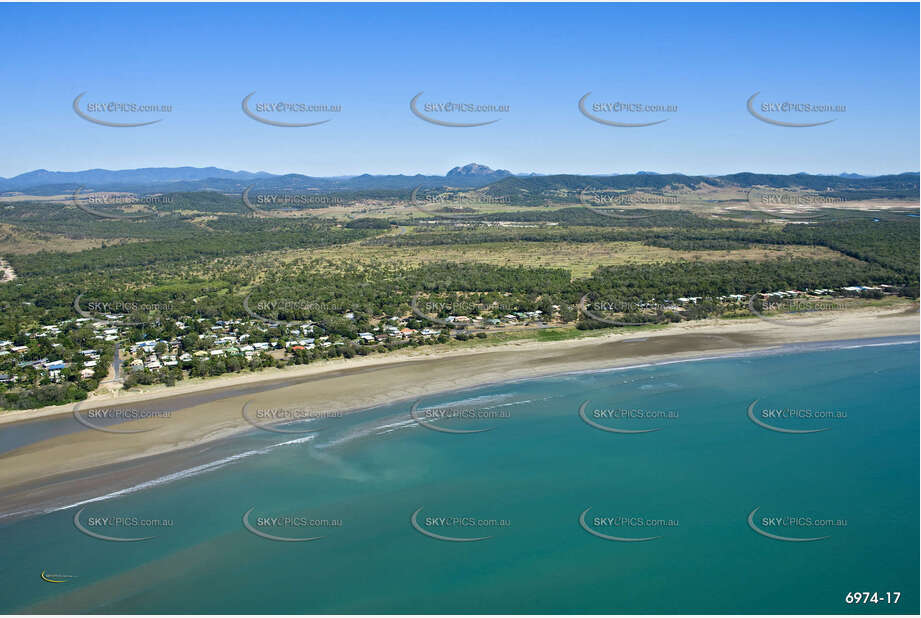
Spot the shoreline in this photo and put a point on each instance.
(99, 463)
(114, 480)
(318, 368)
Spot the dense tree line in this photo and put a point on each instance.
(208, 267)
(261, 236)
(520, 187)
(670, 280)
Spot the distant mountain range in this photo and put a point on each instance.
(142, 176)
(901, 186)
(470, 176)
(177, 179)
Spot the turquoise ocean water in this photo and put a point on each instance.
(692, 485)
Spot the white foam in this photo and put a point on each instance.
(794, 348)
(398, 424)
(168, 478)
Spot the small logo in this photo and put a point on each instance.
(56, 578)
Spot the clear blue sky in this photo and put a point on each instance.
(537, 58)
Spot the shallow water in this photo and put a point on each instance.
(692, 483)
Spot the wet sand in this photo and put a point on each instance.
(66, 468)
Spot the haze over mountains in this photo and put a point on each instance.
(171, 179)
(470, 176)
(145, 175)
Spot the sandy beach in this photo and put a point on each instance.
(82, 463)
